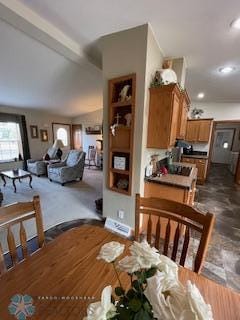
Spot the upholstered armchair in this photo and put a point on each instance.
(39, 167)
(70, 169)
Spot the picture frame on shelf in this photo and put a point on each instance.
(44, 135)
(119, 162)
(34, 131)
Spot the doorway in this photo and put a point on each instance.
(225, 146)
(222, 145)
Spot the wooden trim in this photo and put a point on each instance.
(207, 119)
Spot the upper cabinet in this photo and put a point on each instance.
(199, 130)
(163, 123)
(183, 114)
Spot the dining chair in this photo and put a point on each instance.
(176, 222)
(14, 214)
(91, 156)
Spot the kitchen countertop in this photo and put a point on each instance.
(195, 156)
(176, 180)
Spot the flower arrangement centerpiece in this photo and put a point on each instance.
(154, 291)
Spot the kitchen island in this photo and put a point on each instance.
(174, 187)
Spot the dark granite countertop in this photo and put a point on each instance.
(176, 180)
(196, 156)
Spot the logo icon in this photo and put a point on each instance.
(21, 306)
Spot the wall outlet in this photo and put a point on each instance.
(120, 214)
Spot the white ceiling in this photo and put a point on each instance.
(36, 77)
(198, 30)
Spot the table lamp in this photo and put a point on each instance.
(58, 144)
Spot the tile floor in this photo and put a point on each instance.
(221, 196)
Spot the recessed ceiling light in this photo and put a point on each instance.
(235, 23)
(226, 69)
(200, 95)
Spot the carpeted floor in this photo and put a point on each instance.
(59, 204)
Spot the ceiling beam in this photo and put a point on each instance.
(32, 24)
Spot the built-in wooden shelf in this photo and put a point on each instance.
(121, 104)
(121, 144)
(120, 150)
(123, 128)
(119, 190)
(120, 171)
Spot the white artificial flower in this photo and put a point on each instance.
(168, 266)
(104, 309)
(148, 257)
(129, 264)
(166, 296)
(197, 304)
(110, 251)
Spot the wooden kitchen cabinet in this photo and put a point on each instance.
(201, 165)
(163, 116)
(199, 130)
(183, 113)
(182, 195)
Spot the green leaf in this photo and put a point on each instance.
(151, 272)
(119, 291)
(135, 304)
(147, 307)
(142, 315)
(124, 314)
(136, 285)
(131, 294)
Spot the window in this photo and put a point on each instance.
(10, 141)
(63, 135)
(225, 145)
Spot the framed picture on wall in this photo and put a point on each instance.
(34, 132)
(44, 135)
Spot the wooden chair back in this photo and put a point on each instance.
(185, 219)
(14, 214)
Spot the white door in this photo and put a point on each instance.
(223, 139)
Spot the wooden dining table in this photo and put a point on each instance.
(64, 277)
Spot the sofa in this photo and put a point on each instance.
(70, 169)
(39, 167)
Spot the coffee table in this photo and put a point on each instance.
(17, 174)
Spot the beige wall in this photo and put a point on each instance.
(154, 61)
(88, 120)
(124, 53)
(44, 121)
(217, 111)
